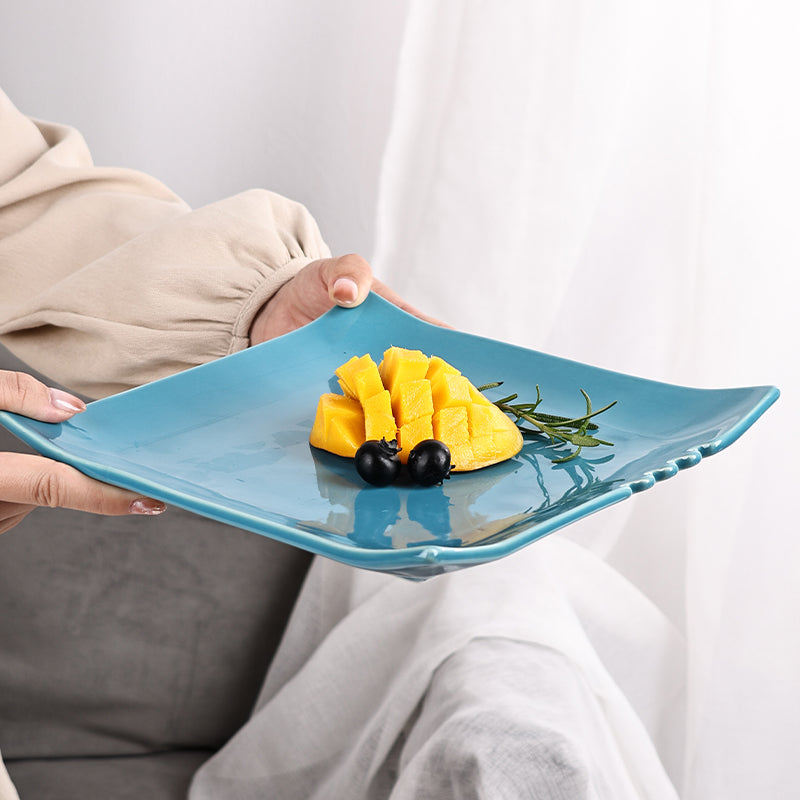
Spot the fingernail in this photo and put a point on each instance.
(146, 505)
(66, 402)
(345, 291)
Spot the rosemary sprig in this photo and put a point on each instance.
(565, 430)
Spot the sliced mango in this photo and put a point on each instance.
(451, 425)
(359, 378)
(461, 455)
(493, 436)
(379, 420)
(411, 434)
(478, 397)
(339, 425)
(484, 420)
(400, 366)
(492, 447)
(438, 366)
(450, 390)
(403, 373)
(411, 397)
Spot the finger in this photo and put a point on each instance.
(388, 294)
(37, 481)
(348, 279)
(23, 394)
(11, 514)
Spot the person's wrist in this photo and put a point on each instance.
(258, 326)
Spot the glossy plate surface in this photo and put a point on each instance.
(229, 440)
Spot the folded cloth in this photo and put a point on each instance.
(7, 790)
(499, 719)
(471, 684)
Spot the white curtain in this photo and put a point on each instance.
(618, 183)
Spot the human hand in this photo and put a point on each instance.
(28, 481)
(345, 281)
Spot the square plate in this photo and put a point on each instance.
(229, 440)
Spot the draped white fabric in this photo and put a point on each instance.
(616, 184)
(485, 683)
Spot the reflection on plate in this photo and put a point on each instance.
(229, 440)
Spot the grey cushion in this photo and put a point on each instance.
(158, 776)
(131, 637)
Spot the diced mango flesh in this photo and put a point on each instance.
(400, 366)
(438, 366)
(359, 378)
(493, 446)
(412, 433)
(450, 390)
(479, 398)
(339, 425)
(378, 418)
(461, 455)
(411, 397)
(412, 400)
(451, 425)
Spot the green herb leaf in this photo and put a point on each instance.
(559, 429)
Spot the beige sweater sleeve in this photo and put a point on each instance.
(108, 280)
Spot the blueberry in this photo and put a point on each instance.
(429, 462)
(377, 462)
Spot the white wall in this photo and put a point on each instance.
(216, 97)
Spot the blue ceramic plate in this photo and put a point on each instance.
(229, 440)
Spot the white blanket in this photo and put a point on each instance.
(482, 683)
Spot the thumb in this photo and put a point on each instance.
(36, 481)
(348, 279)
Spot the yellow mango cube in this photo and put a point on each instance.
(438, 366)
(450, 390)
(462, 459)
(359, 377)
(451, 426)
(400, 366)
(344, 373)
(411, 400)
(412, 433)
(379, 420)
(495, 446)
(486, 419)
(479, 397)
(338, 425)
